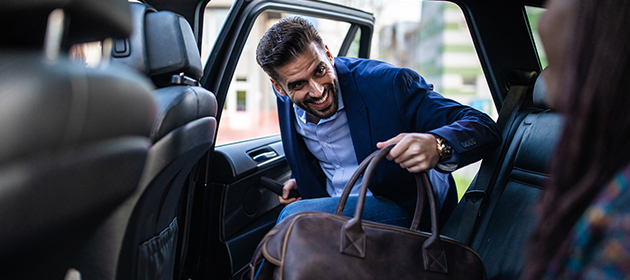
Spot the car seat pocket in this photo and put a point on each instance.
(157, 255)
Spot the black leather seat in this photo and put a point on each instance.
(73, 140)
(140, 241)
(508, 217)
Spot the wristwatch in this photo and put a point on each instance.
(444, 149)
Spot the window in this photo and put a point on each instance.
(215, 14)
(469, 81)
(446, 57)
(353, 51)
(89, 54)
(241, 100)
(250, 105)
(432, 37)
(533, 16)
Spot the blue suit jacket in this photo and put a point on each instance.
(382, 101)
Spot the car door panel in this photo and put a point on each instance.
(245, 199)
(248, 210)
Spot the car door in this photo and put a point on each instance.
(232, 211)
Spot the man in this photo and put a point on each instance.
(335, 111)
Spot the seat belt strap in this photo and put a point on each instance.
(481, 190)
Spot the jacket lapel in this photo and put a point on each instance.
(356, 111)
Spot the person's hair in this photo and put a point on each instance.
(593, 145)
(283, 42)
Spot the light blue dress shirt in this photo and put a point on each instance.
(330, 142)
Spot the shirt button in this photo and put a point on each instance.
(337, 166)
(339, 191)
(325, 144)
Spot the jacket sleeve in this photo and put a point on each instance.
(472, 134)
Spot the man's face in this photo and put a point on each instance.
(310, 82)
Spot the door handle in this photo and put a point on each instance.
(263, 155)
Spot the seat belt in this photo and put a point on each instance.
(482, 189)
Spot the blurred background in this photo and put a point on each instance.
(430, 37)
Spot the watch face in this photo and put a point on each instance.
(446, 149)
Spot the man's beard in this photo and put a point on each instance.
(327, 112)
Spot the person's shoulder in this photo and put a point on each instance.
(366, 67)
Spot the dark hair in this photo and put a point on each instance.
(284, 41)
(593, 145)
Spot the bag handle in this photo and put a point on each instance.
(353, 238)
(357, 173)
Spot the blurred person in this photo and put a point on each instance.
(583, 230)
(78, 54)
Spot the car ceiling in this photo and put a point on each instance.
(188, 8)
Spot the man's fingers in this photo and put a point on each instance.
(285, 192)
(288, 186)
(413, 161)
(415, 169)
(413, 151)
(415, 165)
(394, 153)
(404, 150)
(286, 201)
(393, 140)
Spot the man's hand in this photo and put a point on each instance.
(414, 151)
(288, 185)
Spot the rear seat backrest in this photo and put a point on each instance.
(508, 216)
(143, 234)
(73, 139)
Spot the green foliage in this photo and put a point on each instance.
(462, 182)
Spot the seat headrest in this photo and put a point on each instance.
(162, 44)
(132, 52)
(24, 21)
(540, 90)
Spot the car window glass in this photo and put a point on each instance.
(442, 51)
(250, 106)
(213, 18)
(353, 51)
(533, 15)
(432, 37)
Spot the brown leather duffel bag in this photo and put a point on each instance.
(315, 245)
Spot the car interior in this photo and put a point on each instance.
(115, 171)
(143, 232)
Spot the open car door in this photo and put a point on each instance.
(232, 211)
